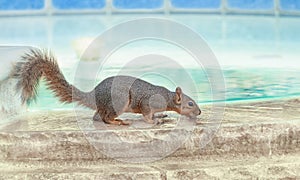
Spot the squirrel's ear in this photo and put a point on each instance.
(178, 96)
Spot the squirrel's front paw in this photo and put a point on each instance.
(161, 116)
(150, 121)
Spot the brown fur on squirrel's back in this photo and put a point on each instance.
(110, 98)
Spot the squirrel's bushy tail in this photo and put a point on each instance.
(38, 63)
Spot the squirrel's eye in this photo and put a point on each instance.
(190, 103)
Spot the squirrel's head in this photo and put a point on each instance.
(185, 105)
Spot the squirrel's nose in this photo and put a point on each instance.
(199, 112)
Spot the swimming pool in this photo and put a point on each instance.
(259, 55)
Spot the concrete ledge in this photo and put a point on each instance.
(255, 140)
(271, 167)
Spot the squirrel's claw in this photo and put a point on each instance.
(121, 122)
(161, 116)
(160, 121)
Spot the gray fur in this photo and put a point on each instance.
(110, 98)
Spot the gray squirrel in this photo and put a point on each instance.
(110, 98)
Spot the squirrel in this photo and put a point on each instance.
(110, 98)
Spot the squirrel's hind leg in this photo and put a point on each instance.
(108, 118)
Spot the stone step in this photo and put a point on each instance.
(257, 129)
(220, 167)
(143, 145)
(258, 140)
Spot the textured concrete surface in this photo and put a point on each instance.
(255, 140)
(243, 167)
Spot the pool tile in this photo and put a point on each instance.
(21, 4)
(290, 5)
(251, 4)
(195, 4)
(140, 4)
(75, 4)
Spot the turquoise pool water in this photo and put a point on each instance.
(241, 85)
(259, 55)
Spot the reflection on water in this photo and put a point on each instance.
(261, 83)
